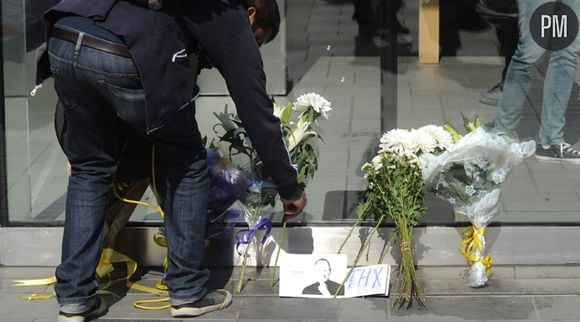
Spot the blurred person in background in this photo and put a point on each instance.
(558, 83)
(456, 15)
(503, 16)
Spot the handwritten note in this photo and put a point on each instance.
(368, 280)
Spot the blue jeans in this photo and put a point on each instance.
(557, 84)
(97, 90)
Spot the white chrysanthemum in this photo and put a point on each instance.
(318, 103)
(423, 141)
(378, 162)
(443, 138)
(365, 167)
(398, 142)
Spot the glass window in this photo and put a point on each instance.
(361, 55)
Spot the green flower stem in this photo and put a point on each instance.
(243, 271)
(361, 251)
(254, 211)
(281, 240)
(356, 224)
(407, 286)
(386, 248)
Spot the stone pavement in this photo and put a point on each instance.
(516, 293)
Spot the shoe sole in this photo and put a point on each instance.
(556, 160)
(197, 311)
(99, 311)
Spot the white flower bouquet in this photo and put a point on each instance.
(469, 175)
(395, 191)
(299, 125)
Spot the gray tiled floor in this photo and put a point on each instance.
(547, 293)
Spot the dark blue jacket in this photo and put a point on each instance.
(152, 37)
(222, 28)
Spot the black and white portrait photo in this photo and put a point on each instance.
(312, 275)
(322, 284)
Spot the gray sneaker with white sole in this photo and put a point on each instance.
(562, 152)
(212, 301)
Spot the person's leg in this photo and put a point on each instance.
(183, 183)
(509, 43)
(519, 75)
(560, 78)
(182, 180)
(89, 145)
(557, 89)
(181, 177)
(508, 39)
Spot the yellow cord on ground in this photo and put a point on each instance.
(36, 297)
(140, 304)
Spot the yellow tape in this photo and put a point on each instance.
(140, 304)
(161, 286)
(142, 203)
(472, 243)
(35, 297)
(104, 268)
(147, 289)
(37, 282)
(160, 239)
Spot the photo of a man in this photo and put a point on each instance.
(323, 285)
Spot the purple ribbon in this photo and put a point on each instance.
(245, 236)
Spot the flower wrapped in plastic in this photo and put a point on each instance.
(469, 175)
(299, 126)
(228, 183)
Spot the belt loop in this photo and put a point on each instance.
(78, 45)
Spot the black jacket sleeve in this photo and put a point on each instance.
(224, 32)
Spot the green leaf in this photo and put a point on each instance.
(477, 121)
(286, 113)
(454, 134)
(469, 125)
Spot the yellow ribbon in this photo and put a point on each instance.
(38, 282)
(104, 269)
(105, 266)
(471, 243)
(140, 304)
(136, 202)
(160, 240)
(35, 297)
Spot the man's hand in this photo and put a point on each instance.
(293, 208)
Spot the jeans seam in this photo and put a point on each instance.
(100, 72)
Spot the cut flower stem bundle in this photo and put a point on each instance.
(395, 191)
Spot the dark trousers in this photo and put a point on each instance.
(98, 90)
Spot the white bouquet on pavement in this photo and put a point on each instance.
(469, 175)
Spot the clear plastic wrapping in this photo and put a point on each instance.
(469, 175)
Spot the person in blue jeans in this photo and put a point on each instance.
(113, 61)
(558, 84)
